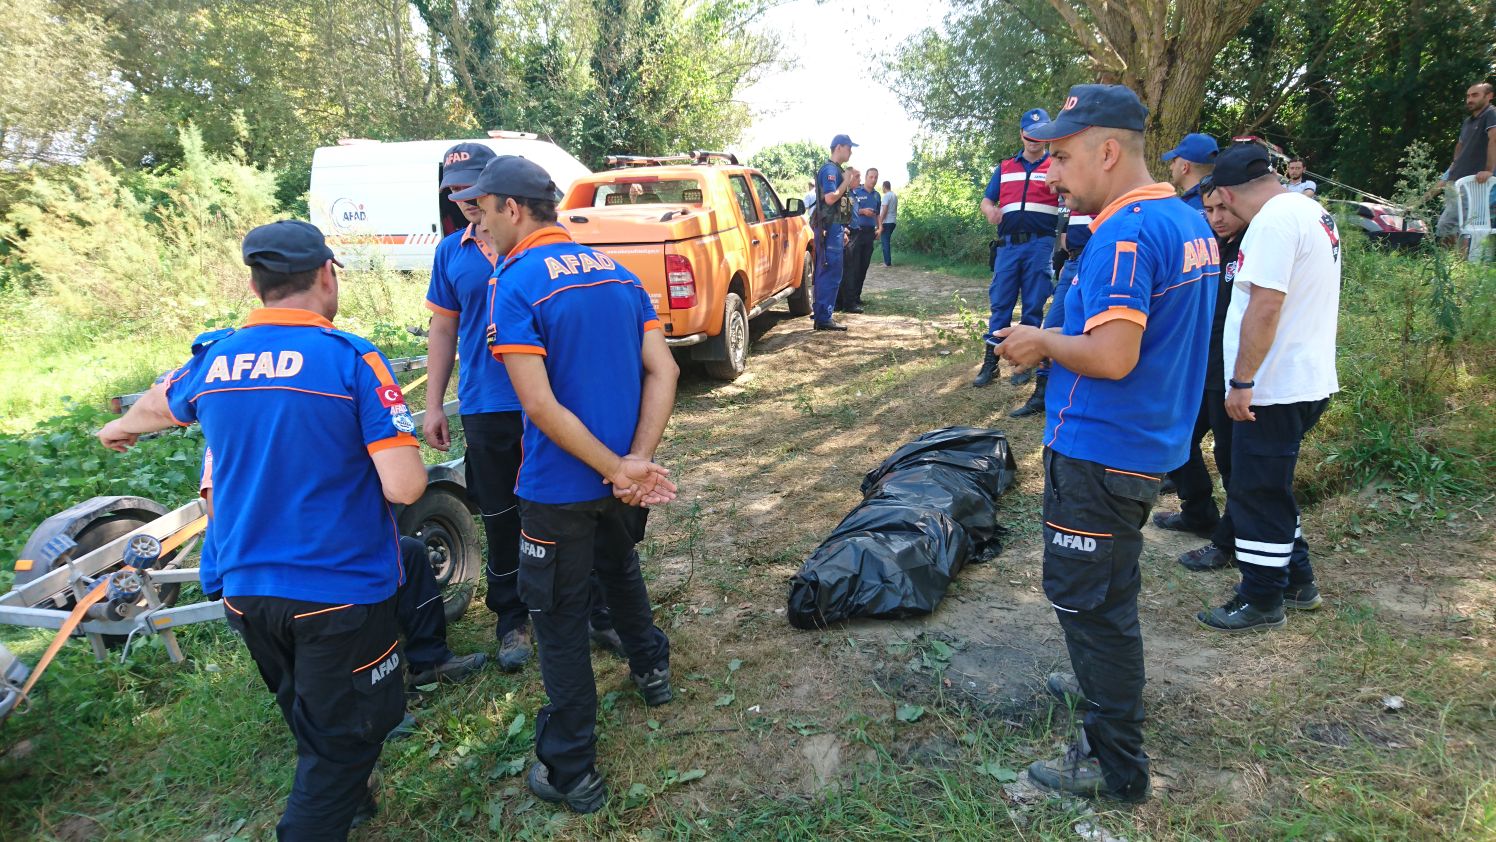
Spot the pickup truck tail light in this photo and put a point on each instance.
(680, 282)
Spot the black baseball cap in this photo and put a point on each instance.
(288, 246)
(511, 175)
(1093, 106)
(462, 163)
(1239, 163)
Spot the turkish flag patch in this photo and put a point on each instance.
(389, 396)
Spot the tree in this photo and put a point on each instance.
(54, 83)
(1163, 49)
(791, 166)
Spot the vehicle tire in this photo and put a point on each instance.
(803, 299)
(735, 337)
(442, 522)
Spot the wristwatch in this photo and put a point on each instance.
(1236, 384)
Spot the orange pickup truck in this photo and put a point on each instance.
(711, 240)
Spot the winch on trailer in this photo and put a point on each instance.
(111, 569)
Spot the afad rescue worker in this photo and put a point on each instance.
(312, 442)
(1198, 513)
(833, 212)
(1190, 161)
(1128, 367)
(1279, 354)
(1074, 231)
(1019, 202)
(583, 348)
(458, 299)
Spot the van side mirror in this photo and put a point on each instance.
(794, 207)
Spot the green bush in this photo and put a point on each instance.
(940, 215)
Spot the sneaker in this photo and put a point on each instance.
(654, 687)
(455, 669)
(1303, 597)
(1078, 774)
(587, 796)
(1238, 615)
(1022, 377)
(1175, 522)
(514, 649)
(1208, 557)
(1063, 686)
(608, 641)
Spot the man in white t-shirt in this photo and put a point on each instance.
(1296, 180)
(1279, 354)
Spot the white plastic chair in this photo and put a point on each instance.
(1473, 204)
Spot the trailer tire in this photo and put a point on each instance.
(442, 521)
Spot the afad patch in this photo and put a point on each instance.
(402, 419)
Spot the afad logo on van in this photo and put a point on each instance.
(347, 214)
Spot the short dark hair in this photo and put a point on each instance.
(887, 185)
(1295, 160)
(273, 286)
(1490, 88)
(541, 210)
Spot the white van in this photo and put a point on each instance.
(379, 203)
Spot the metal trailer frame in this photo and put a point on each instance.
(45, 602)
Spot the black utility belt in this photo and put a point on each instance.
(1018, 239)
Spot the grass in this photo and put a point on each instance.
(907, 730)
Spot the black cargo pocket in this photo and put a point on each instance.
(1077, 567)
(379, 669)
(1134, 486)
(537, 573)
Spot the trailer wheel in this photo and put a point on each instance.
(441, 521)
(100, 530)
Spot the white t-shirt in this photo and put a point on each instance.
(890, 208)
(1301, 186)
(1292, 246)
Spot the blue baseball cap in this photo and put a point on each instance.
(841, 140)
(288, 246)
(511, 175)
(1195, 148)
(462, 163)
(1033, 117)
(1093, 106)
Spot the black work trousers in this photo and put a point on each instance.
(1262, 516)
(419, 610)
(1093, 521)
(561, 545)
(491, 465)
(337, 673)
(858, 257)
(1196, 489)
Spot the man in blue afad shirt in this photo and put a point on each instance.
(308, 428)
(828, 222)
(1189, 162)
(1128, 369)
(583, 348)
(866, 207)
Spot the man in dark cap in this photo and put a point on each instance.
(491, 421)
(832, 215)
(583, 348)
(1190, 161)
(1278, 350)
(307, 427)
(1128, 367)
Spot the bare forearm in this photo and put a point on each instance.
(564, 428)
(1259, 326)
(655, 405)
(441, 352)
(149, 414)
(1092, 354)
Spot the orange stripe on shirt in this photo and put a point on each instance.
(282, 388)
(1178, 285)
(397, 440)
(442, 311)
(381, 371)
(1070, 401)
(652, 324)
(1159, 190)
(500, 350)
(1113, 313)
(557, 292)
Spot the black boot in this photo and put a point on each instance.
(1035, 403)
(989, 367)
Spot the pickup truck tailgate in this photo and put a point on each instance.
(647, 260)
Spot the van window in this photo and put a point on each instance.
(745, 201)
(648, 191)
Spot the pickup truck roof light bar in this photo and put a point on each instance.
(645, 160)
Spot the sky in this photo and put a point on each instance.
(840, 46)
